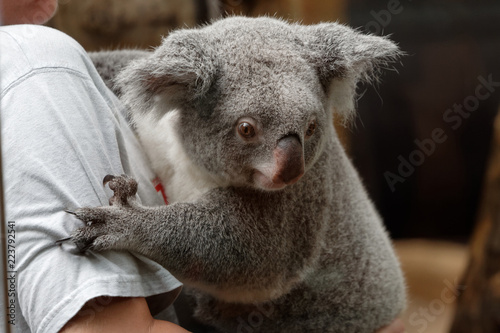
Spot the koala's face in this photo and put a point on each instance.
(262, 123)
(254, 95)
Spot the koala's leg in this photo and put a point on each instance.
(230, 243)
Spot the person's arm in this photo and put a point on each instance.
(62, 130)
(132, 315)
(121, 315)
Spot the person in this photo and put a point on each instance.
(62, 131)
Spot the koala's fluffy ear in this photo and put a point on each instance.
(179, 71)
(343, 57)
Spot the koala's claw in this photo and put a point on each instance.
(99, 223)
(124, 188)
(95, 218)
(107, 179)
(84, 247)
(104, 226)
(60, 241)
(82, 243)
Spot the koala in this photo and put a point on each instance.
(269, 225)
(110, 63)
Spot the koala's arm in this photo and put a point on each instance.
(110, 63)
(230, 243)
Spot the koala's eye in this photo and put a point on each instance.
(246, 130)
(311, 129)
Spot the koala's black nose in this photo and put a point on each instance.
(289, 160)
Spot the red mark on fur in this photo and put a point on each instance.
(159, 188)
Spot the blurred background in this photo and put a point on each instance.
(422, 142)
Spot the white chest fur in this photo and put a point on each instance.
(183, 181)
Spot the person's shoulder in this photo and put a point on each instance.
(28, 48)
(38, 43)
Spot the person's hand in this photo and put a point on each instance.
(396, 326)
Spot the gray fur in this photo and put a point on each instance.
(311, 256)
(110, 63)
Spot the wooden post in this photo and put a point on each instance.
(478, 307)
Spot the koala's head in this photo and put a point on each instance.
(255, 96)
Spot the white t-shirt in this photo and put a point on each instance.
(62, 132)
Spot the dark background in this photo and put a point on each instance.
(449, 44)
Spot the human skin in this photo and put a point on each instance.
(122, 314)
(132, 315)
(26, 11)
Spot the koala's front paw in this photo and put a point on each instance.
(102, 230)
(108, 227)
(124, 189)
